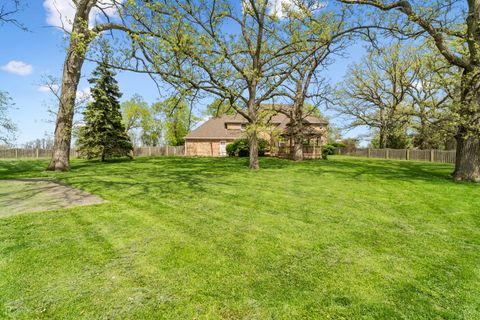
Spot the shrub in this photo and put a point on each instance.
(327, 150)
(262, 147)
(231, 149)
(338, 145)
(240, 148)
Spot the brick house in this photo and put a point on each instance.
(212, 137)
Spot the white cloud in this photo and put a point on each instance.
(84, 95)
(46, 89)
(60, 13)
(18, 67)
(280, 8)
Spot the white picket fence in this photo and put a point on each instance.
(442, 156)
(160, 151)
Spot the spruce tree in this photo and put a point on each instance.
(103, 135)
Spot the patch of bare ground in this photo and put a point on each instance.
(19, 196)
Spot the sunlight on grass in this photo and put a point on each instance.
(207, 238)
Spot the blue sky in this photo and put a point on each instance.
(27, 57)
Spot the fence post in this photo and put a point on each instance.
(387, 153)
(369, 152)
(16, 153)
(149, 151)
(408, 154)
(166, 151)
(36, 153)
(432, 155)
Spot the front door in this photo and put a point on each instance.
(223, 148)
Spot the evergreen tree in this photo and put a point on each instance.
(104, 134)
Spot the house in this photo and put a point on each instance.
(212, 137)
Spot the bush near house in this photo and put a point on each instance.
(240, 148)
(338, 145)
(329, 149)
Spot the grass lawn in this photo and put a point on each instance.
(186, 238)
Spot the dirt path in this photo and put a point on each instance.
(31, 195)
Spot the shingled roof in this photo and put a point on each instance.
(215, 128)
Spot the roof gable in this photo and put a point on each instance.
(215, 128)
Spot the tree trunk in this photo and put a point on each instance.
(296, 123)
(450, 144)
(253, 144)
(297, 150)
(467, 165)
(422, 139)
(63, 129)
(79, 41)
(383, 130)
(382, 138)
(252, 135)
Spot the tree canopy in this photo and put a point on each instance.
(245, 66)
(177, 117)
(452, 28)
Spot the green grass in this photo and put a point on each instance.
(185, 238)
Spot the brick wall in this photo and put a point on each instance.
(204, 148)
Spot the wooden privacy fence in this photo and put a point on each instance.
(159, 151)
(442, 156)
(47, 153)
(28, 153)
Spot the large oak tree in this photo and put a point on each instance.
(235, 51)
(454, 28)
(327, 34)
(374, 93)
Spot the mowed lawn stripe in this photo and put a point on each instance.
(207, 238)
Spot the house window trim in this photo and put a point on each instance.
(222, 142)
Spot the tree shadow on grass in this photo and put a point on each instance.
(166, 176)
(199, 176)
(18, 168)
(182, 176)
(362, 169)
